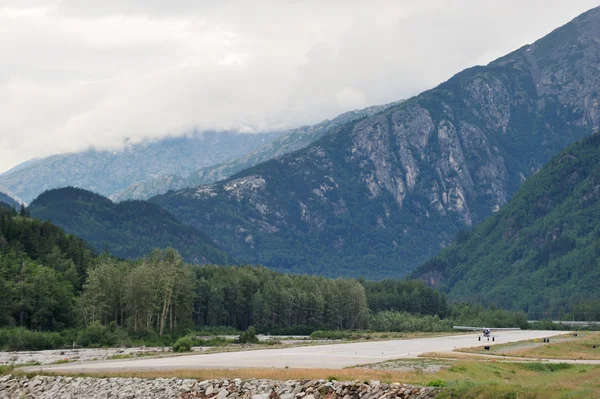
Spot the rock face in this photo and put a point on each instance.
(107, 172)
(377, 196)
(291, 141)
(288, 142)
(69, 387)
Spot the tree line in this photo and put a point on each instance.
(52, 281)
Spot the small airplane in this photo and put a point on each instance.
(486, 332)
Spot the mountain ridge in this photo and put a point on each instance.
(9, 198)
(130, 229)
(290, 141)
(107, 172)
(378, 196)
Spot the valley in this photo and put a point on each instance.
(232, 250)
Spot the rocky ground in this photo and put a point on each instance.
(129, 388)
(69, 355)
(425, 365)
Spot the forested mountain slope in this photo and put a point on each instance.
(8, 198)
(130, 229)
(8, 201)
(378, 196)
(107, 172)
(41, 270)
(289, 141)
(541, 251)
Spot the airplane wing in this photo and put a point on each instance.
(504, 329)
(468, 328)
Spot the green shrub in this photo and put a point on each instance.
(541, 367)
(21, 339)
(183, 344)
(248, 336)
(331, 334)
(96, 336)
(215, 330)
(437, 383)
(7, 369)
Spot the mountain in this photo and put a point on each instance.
(378, 196)
(293, 140)
(541, 251)
(107, 172)
(289, 141)
(146, 189)
(130, 229)
(9, 198)
(4, 204)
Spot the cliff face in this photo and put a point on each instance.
(376, 197)
(288, 141)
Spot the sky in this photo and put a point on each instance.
(76, 74)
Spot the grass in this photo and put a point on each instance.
(578, 348)
(122, 356)
(561, 347)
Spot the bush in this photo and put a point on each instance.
(248, 337)
(96, 336)
(297, 330)
(437, 383)
(216, 330)
(21, 339)
(183, 344)
(541, 367)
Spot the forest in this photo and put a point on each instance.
(53, 285)
(541, 251)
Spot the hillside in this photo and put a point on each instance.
(8, 201)
(540, 252)
(378, 196)
(107, 172)
(41, 270)
(129, 230)
(9, 198)
(289, 141)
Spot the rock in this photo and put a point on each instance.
(174, 388)
(209, 390)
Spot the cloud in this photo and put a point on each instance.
(80, 73)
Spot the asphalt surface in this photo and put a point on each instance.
(334, 356)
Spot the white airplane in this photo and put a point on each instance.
(486, 332)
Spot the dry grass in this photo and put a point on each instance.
(263, 373)
(579, 348)
(450, 355)
(559, 347)
(465, 379)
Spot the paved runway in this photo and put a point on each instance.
(335, 356)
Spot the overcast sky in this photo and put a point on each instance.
(81, 73)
